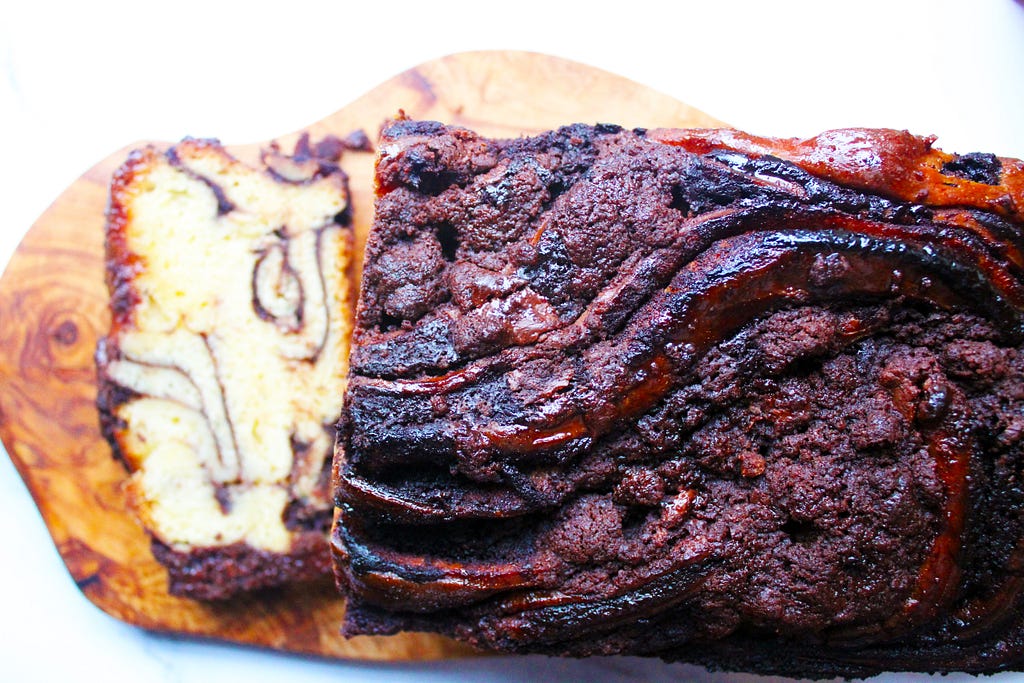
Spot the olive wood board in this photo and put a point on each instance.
(53, 308)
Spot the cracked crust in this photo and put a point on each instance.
(747, 402)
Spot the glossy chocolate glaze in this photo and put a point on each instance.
(748, 402)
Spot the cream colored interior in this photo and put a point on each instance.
(224, 392)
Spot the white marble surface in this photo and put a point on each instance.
(79, 80)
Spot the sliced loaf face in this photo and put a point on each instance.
(220, 378)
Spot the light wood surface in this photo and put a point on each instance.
(53, 309)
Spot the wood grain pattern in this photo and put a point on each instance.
(53, 309)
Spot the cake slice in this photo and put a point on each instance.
(752, 403)
(220, 377)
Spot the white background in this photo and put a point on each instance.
(80, 80)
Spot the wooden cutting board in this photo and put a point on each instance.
(53, 308)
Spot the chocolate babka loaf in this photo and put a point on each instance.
(220, 378)
(751, 403)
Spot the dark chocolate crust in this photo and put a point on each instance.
(752, 403)
(219, 573)
(222, 572)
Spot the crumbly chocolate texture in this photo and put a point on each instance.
(228, 343)
(217, 573)
(752, 403)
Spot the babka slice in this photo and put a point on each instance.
(220, 377)
(747, 402)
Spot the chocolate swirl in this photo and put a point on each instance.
(289, 290)
(218, 381)
(742, 401)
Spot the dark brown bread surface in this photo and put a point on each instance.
(752, 403)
